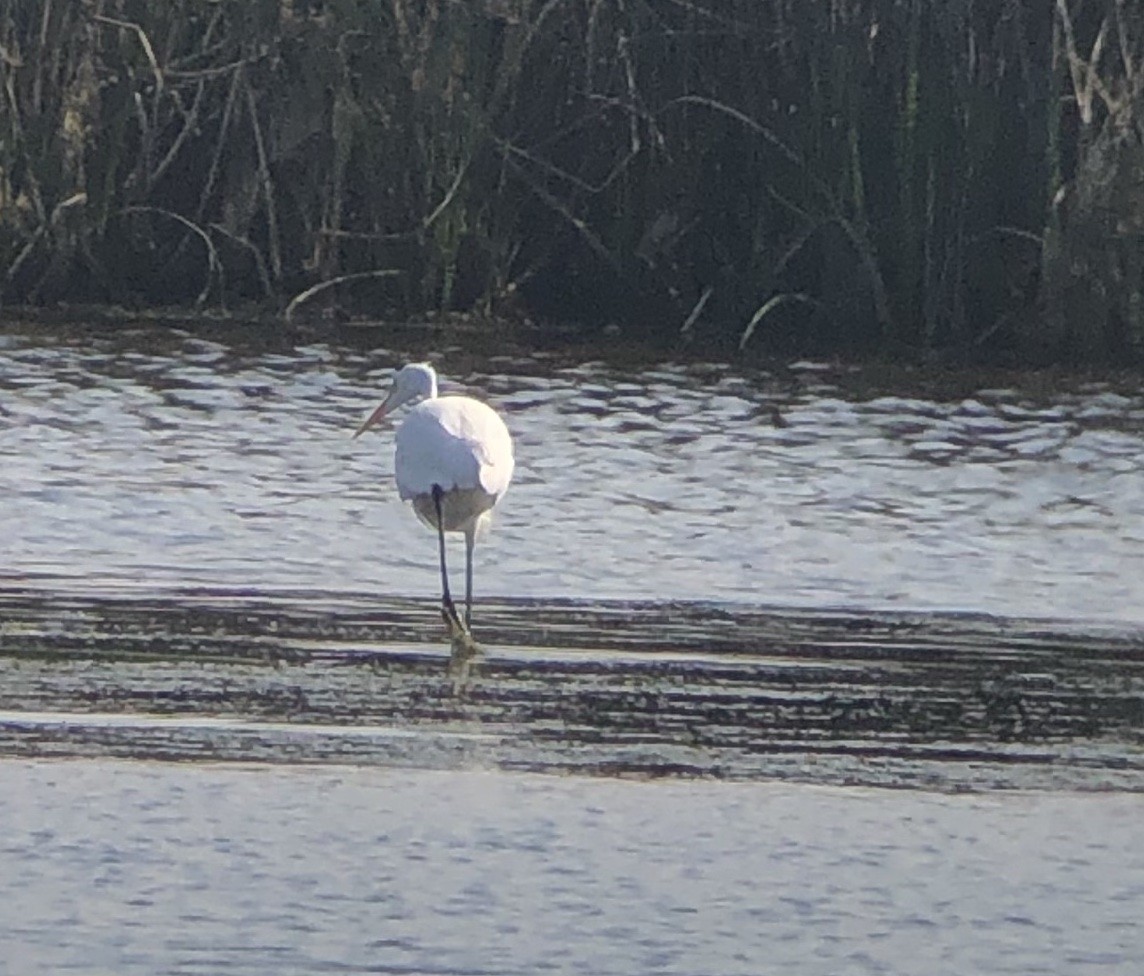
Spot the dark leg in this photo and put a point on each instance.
(470, 538)
(447, 608)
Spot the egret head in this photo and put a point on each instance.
(411, 384)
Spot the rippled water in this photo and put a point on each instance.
(138, 869)
(152, 456)
(201, 568)
(652, 690)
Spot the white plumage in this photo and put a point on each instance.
(453, 455)
(455, 442)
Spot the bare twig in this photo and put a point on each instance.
(220, 143)
(570, 178)
(259, 264)
(593, 242)
(267, 187)
(796, 248)
(144, 41)
(205, 74)
(633, 93)
(10, 60)
(302, 297)
(1003, 230)
(408, 235)
(742, 117)
(998, 324)
(214, 266)
(362, 235)
(1125, 43)
(1084, 75)
(865, 252)
(444, 204)
(510, 72)
(38, 82)
(775, 301)
(75, 200)
(689, 323)
(190, 124)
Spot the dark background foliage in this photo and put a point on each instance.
(830, 175)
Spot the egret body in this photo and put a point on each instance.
(453, 461)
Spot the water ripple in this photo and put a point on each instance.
(158, 455)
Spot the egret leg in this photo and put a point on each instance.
(470, 539)
(449, 608)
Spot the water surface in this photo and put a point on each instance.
(132, 868)
(152, 456)
(729, 615)
(653, 690)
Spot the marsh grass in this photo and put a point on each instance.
(885, 175)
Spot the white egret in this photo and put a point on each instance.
(453, 461)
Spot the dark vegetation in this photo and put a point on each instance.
(894, 176)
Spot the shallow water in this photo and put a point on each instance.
(192, 534)
(143, 868)
(202, 569)
(153, 456)
(650, 690)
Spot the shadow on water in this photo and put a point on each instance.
(683, 689)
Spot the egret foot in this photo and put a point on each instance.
(460, 636)
(464, 651)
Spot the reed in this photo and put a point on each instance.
(895, 176)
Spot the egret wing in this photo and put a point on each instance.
(454, 442)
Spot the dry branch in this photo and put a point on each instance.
(144, 41)
(267, 184)
(214, 266)
(302, 297)
(769, 306)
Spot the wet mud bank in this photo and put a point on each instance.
(951, 702)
